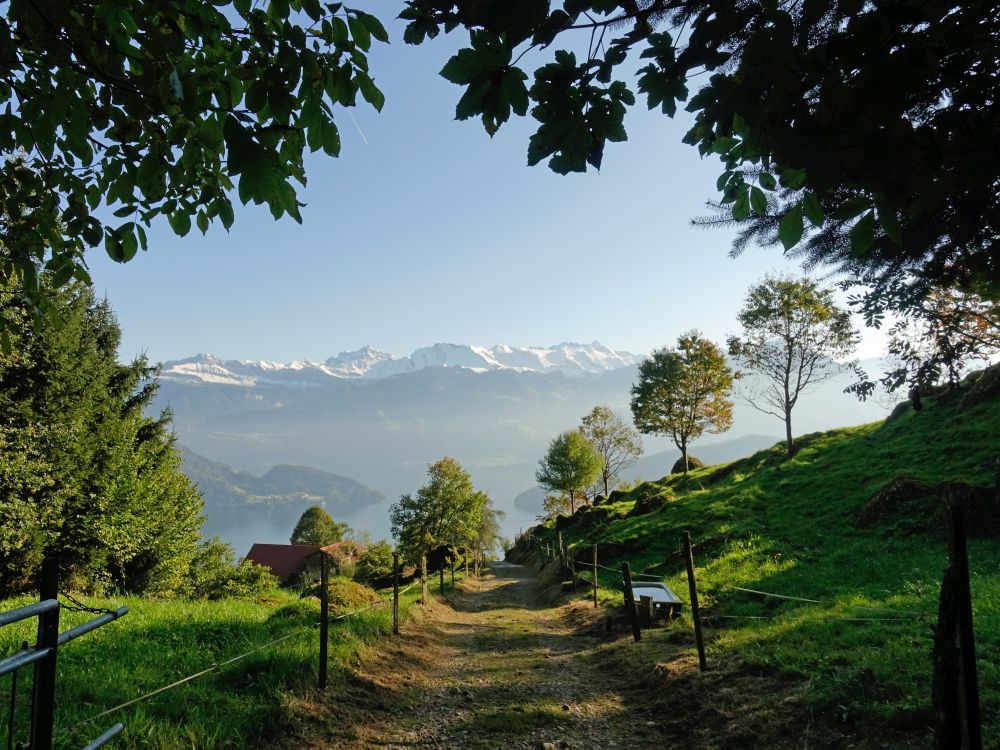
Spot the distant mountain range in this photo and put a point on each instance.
(381, 420)
(239, 505)
(370, 364)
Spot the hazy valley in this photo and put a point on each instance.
(379, 421)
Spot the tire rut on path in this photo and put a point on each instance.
(494, 666)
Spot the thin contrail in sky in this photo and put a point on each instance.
(360, 131)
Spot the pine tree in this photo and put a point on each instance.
(86, 475)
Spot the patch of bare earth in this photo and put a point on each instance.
(497, 664)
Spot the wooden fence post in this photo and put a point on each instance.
(595, 576)
(955, 688)
(966, 632)
(572, 572)
(453, 572)
(465, 559)
(441, 579)
(395, 593)
(324, 615)
(423, 579)
(43, 699)
(695, 613)
(630, 601)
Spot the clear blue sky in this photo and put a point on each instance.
(427, 230)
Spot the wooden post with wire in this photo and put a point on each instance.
(695, 613)
(966, 635)
(324, 615)
(423, 579)
(395, 593)
(633, 615)
(441, 579)
(595, 576)
(955, 685)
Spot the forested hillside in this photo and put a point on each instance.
(239, 504)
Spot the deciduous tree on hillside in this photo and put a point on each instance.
(315, 526)
(448, 509)
(618, 444)
(488, 535)
(684, 392)
(571, 464)
(555, 504)
(794, 336)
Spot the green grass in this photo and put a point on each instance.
(788, 526)
(244, 704)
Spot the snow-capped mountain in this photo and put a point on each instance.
(357, 363)
(370, 364)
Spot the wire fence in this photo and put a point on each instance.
(72, 603)
(575, 566)
(955, 688)
(588, 565)
(219, 665)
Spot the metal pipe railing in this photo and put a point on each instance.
(74, 633)
(23, 613)
(23, 659)
(105, 738)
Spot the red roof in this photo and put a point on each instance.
(284, 560)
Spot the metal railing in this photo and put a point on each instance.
(42, 657)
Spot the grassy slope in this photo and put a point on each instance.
(787, 526)
(249, 703)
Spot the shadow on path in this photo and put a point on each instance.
(490, 666)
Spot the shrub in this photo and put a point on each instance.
(376, 562)
(693, 463)
(347, 595)
(214, 574)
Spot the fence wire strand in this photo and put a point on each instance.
(912, 614)
(227, 662)
(907, 614)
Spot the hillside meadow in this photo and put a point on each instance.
(253, 702)
(856, 521)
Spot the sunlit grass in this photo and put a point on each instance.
(788, 527)
(244, 704)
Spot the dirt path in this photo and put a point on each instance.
(494, 666)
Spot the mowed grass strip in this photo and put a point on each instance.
(240, 705)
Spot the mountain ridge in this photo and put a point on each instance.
(236, 502)
(368, 364)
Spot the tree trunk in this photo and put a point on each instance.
(684, 455)
(788, 431)
(607, 478)
(572, 505)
